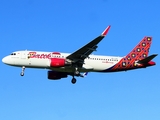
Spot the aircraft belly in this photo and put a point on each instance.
(70, 69)
(88, 67)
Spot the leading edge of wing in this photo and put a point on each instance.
(87, 49)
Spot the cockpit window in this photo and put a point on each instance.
(13, 54)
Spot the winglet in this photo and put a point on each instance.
(104, 33)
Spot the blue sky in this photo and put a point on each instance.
(65, 26)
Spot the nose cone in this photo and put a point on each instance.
(6, 60)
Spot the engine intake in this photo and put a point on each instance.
(52, 75)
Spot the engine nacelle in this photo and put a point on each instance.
(59, 62)
(56, 75)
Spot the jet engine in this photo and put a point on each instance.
(59, 62)
(52, 75)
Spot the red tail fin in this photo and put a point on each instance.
(141, 50)
(138, 53)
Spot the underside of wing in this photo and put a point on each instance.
(82, 53)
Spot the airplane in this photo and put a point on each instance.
(79, 63)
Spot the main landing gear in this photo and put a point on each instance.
(23, 69)
(76, 73)
(73, 80)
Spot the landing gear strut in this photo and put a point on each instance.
(76, 72)
(22, 73)
(73, 80)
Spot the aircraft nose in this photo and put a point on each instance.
(5, 60)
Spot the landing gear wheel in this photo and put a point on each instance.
(73, 80)
(22, 74)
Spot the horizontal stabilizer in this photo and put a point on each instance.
(147, 59)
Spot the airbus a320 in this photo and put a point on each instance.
(80, 62)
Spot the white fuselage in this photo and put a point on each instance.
(42, 60)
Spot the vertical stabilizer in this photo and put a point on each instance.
(138, 53)
(141, 50)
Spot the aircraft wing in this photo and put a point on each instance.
(78, 56)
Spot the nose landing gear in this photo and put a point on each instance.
(23, 69)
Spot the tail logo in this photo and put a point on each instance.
(138, 53)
